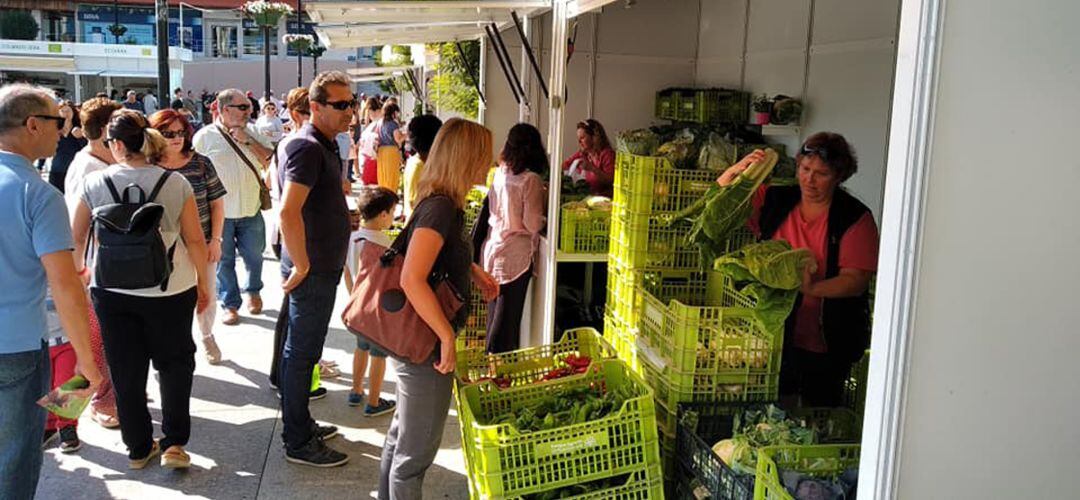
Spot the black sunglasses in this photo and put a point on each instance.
(107, 140)
(241, 107)
(59, 120)
(339, 105)
(172, 134)
(819, 152)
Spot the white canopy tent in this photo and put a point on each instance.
(365, 23)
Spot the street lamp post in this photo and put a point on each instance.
(300, 53)
(266, 15)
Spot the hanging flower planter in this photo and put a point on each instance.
(266, 13)
(299, 43)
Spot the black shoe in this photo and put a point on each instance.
(69, 440)
(325, 432)
(316, 454)
(317, 394)
(48, 437)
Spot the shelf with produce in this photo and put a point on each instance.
(780, 130)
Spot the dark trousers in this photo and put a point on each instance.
(504, 315)
(818, 379)
(281, 330)
(310, 306)
(137, 331)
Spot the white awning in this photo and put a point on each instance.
(367, 23)
(37, 64)
(575, 8)
(378, 70)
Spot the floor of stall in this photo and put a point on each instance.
(236, 443)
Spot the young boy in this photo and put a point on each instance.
(376, 205)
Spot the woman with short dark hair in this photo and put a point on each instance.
(829, 328)
(516, 203)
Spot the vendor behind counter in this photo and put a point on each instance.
(595, 159)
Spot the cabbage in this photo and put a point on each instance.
(717, 154)
(642, 142)
(773, 263)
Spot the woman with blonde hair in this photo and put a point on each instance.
(153, 324)
(460, 158)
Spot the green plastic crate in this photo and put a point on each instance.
(652, 242)
(475, 333)
(855, 385)
(584, 231)
(737, 385)
(712, 106)
(620, 337)
(816, 460)
(504, 462)
(701, 472)
(652, 185)
(643, 484)
(831, 425)
(526, 366)
(667, 104)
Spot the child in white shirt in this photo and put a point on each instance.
(376, 205)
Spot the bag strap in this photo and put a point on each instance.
(112, 190)
(401, 243)
(138, 188)
(239, 152)
(157, 187)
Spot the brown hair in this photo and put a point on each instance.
(94, 115)
(834, 150)
(462, 149)
(131, 128)
(297, 100)
(524, 150)
(161, 120)
(596, 131)
(317, 90)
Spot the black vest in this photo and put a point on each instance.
(845, 323)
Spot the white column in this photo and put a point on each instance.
(555, 128)
(78, 88)
(524, 113)
(481, 71)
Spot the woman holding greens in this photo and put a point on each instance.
(829, 327)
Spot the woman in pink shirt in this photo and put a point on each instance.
(516, 202)
(596, 158)
(829, 328)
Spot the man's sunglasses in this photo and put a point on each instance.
(819, 152)
(172, 134)
(340, 105)
(241, 107)
(59, 120)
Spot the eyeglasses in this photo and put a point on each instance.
(59, 120)
(819, 152)
(172, 134)
(241, 107)
(339, 105)
(107, 140)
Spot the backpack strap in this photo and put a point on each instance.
(157, 187)
(112, 190)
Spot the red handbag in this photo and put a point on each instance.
(379, 310)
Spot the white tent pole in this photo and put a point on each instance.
(524, 113)
(555, 129)
(481, 112)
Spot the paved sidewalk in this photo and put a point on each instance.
(236, 432)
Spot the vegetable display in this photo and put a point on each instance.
(757, 428)
(581, 489)
(722, 210)
(772, 263)
(576, 405)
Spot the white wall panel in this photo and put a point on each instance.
(777, 72)
(720, 44)
(846, 20)
(849, 93)
(991, 405)
(778, 25)
(651, 28)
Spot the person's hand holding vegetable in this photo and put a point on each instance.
(733, 171)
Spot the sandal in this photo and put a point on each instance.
(328, 369)
(175, 458)
(140, 463)
(104, 419)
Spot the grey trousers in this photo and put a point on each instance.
(423, 402)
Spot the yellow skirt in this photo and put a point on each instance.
(389, 160)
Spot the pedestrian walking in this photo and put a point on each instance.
(143, 324)
(435, 242)
(35, 252)
(208, 190)
(239, 154)
(315, 231)
(388, 154)
(94, 115)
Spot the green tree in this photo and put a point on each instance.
(18, 25)
(400, 55)
(451, 85)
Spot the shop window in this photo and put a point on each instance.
(223, 41)
(253, 39)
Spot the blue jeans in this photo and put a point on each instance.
(24, 378)
(248, 236)
(310, 306)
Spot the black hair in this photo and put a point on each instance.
(422, 131)
(374, 200)
(524, 150)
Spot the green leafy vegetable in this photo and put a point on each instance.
(641, 142)
(773, 263)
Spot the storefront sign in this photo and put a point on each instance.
(19, 47)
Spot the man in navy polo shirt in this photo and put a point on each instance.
(35, 251)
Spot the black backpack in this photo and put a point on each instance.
(130, 251)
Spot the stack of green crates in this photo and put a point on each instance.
(620, 449)
(815, 460)
(475, 332)
(703, 105)
(584, 231)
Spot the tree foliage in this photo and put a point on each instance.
(18, 25)
(451, 86)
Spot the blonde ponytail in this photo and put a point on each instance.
(153, 145)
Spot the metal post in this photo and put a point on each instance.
(524, 110)
(469, 69)
(526, 46)
(555, 129)
(266, 61)
(300, 53)
(163, 48)
(481, 73)
(502, 64)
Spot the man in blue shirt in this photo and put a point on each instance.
(35, 251)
